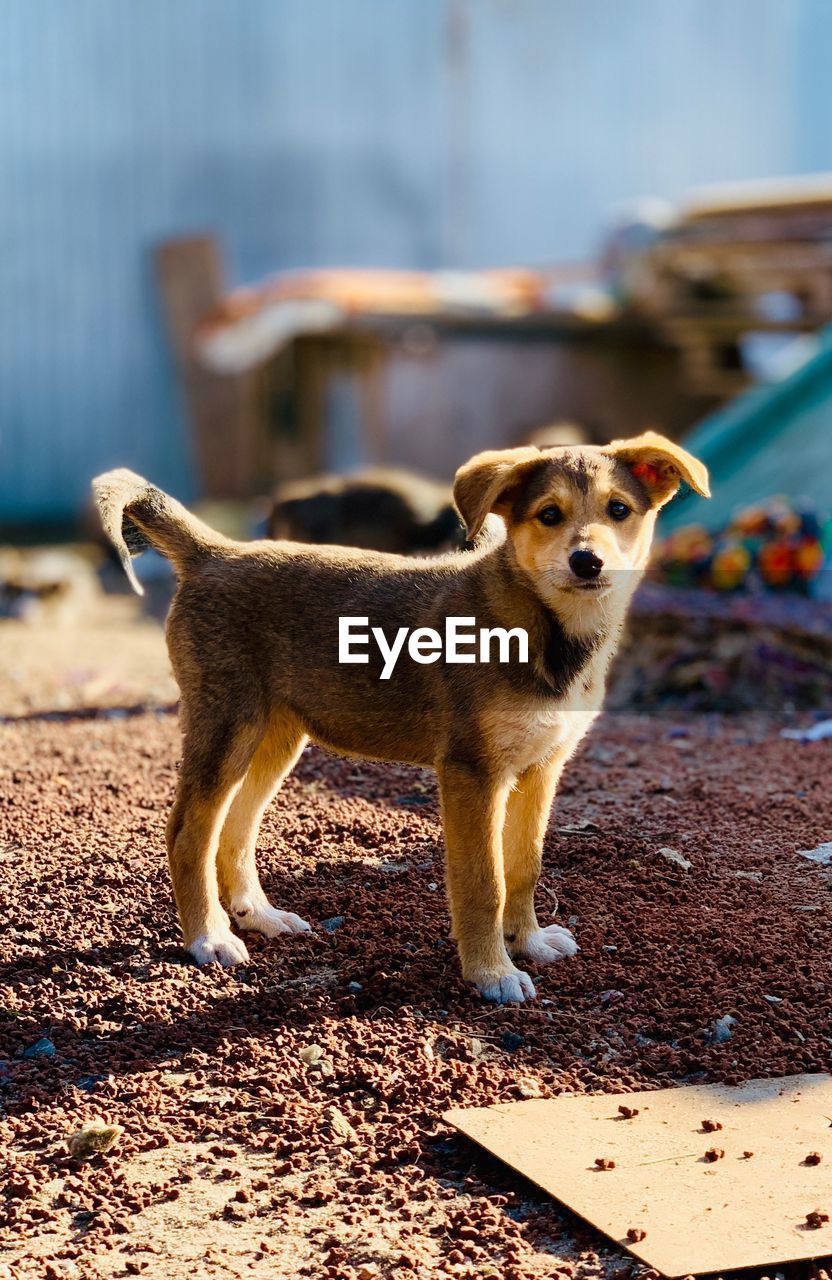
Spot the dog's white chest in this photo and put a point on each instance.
(546, 730)
(532, 731)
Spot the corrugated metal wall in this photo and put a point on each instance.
(391, 132)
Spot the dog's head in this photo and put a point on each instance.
(581, 519)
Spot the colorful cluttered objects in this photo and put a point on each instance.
(775, 546)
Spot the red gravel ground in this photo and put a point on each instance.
(233, 1161)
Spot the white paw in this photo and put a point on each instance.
(550, 944)
(267, 920)
(219, 947)
(514, 987)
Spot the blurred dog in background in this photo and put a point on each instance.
(380, 509)
(50, 585)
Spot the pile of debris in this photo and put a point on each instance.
(703, 651)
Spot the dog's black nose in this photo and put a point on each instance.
(585, 564)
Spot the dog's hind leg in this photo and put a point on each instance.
(216, 755)
(239, 882)
(527, 816)
(473, 809)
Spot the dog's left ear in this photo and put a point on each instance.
(660, 465)
(489, 482)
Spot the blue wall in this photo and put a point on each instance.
(305, 132)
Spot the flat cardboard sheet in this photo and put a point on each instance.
(698, 1216)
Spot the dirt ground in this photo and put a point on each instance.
(115, 659)
(285, 1119)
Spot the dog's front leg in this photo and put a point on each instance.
(473, 812)
(527, 816)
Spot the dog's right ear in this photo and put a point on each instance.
(490, 481)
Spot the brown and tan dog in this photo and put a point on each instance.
(253, 635)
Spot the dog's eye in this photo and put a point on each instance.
(618, 510)
(550, 515)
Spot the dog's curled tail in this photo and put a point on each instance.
(135, 515)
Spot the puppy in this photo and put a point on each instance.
(381, 509)
(254, 634)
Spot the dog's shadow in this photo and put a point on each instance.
(367, 956)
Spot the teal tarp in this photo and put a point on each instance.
(775, 439)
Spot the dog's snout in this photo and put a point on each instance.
(585, 564)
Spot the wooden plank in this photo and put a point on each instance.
(191, 279)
